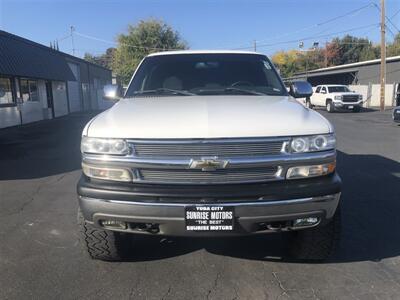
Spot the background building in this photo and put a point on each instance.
(38, 82)
(363, 77)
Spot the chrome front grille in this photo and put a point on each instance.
(208, 148)
(213, 177)
(350, 98)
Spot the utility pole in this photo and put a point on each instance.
(383, 56)
(72, 39)
(255, 46)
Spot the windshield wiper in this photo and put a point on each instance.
(243, 91)
(164, 91)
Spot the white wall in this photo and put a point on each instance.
(9, 116)
(60, 98)
(372, 94)
(375, 95)
(31, 111)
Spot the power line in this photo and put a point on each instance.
(124, 44)
(346, 14)
(313, 37)
(352, 12)
(395, 14)
(388, 19)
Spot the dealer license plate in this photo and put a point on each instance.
(209, 218)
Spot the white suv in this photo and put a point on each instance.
(335, 97)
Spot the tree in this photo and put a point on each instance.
(338, 51)
(393, 49)
(104, 60)
(140, 40)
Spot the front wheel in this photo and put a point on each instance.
(102, 244)
(317, 243)
(329, 107)
(356, 109)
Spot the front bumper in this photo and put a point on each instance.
(347, 105)
(254, 204)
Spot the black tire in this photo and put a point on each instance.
(329, 107)
(102, 244)
(308, 104)
(317, 243)
(356, 109)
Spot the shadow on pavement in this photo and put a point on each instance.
(42, 149)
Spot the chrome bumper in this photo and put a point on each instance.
(169, 217)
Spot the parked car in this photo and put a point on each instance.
(208, 143)
(335, 97)
(396, 114)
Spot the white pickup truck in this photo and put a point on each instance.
(208, 143)
(335, 97)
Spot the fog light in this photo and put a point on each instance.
(305, 222)
(310, 171)
(114, 224)
(107, 173)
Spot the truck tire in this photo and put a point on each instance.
(308, 104)
(317, 243)
(101, 244)
(329, 106)
(356, 109)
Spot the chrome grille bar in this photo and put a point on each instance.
(220, 148)
(218, 176)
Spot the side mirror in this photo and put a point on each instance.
(300, 89)
(111, 92)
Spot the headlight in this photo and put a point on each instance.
(339, 97)
(310, 171)
(104, 146)
(312, 143)
(360, 97)
(106, 173)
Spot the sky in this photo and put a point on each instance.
(208, 24)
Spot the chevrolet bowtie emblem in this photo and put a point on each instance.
(208, 164)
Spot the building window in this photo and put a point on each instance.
(29, 90)
(6, 94)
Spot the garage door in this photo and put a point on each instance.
(74, 94)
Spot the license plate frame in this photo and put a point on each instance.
(209, 218)
(350, 106)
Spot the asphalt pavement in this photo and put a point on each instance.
(40, 257)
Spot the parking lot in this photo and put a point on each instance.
(40, 256)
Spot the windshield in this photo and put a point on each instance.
(205, 74)
(338, 89)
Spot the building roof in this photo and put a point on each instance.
(25, 58)
(203, 52)
(347, 67)
(21, 57)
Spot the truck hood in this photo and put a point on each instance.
(207, 117)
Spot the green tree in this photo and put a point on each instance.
(393, 49)
(140, 40)
(104, 60)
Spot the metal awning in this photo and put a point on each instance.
(24, 58)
